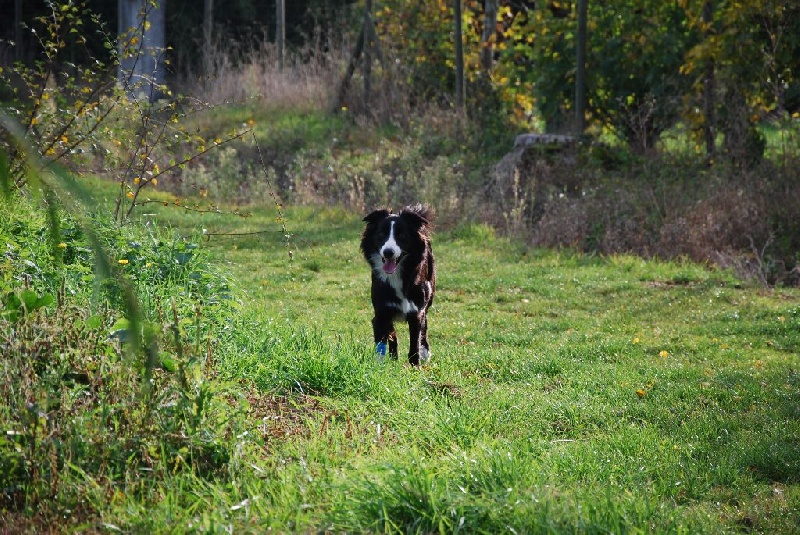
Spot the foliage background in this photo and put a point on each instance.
(183, 323)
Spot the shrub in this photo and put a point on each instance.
(664, 205)
(84, 417)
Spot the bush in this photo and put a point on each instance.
(84, 417)
(663, 205)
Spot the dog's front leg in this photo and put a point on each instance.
(424, 346)
(414, 331)
(383, 331)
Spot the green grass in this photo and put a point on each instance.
(567, 393)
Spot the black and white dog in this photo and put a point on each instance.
(398, 247)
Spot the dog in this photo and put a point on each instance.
(398, 248)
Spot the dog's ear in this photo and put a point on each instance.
(377, 215)
(419, 215)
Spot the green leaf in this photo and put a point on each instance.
(29, 299)
(121, 329)
(11, 301)
(93, 322)
(168, 364)
(183, 258)
(45, 300)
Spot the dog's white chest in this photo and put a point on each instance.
(405, 305)
(395, 280)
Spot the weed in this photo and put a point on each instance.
(77, 422)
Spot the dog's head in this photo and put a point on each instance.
(389, 238)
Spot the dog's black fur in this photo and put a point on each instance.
(398, 248)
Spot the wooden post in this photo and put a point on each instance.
(280, 31)
(368, 45)
(208, 25)
(141, 67)
(580, 69)
(709, 89)
(488, 36)
(459, 57)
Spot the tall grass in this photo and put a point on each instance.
(85, 416)
(251, 72)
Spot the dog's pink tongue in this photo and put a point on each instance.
(389, 266)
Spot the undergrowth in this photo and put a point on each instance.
(84, 418)
(593, 197)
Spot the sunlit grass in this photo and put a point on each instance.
(594, 393)
(567, 392)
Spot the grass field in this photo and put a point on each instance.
(566, 393)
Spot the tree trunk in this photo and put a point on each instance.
(142, 46)
(208, 27)
(280, 31)
(580, 69)
(459, 57)
(488, 36)
(709, 90)
(368, 46)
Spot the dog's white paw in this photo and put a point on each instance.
(424, 355)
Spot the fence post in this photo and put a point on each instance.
(459, 57)
(580, 69)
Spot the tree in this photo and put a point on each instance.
(142, 69)
(280, 29)
(208, 29)
(488, 35)
(580, 69)
(458, 35)
(753, 48)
